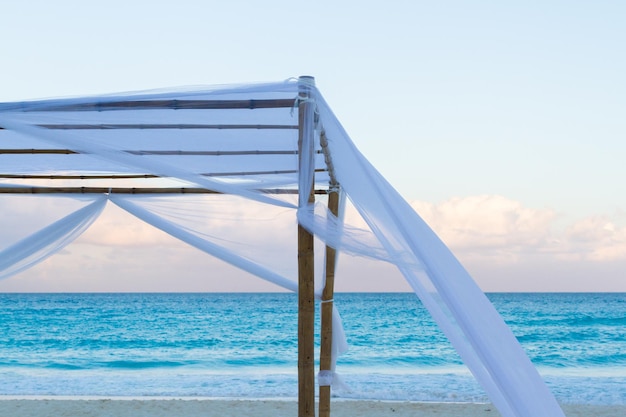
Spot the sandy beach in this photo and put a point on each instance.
(144, 407)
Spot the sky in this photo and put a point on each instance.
(502, 123)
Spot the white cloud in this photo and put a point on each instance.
(497, 229)
(479, 224)
(509, 247)
(599, 238)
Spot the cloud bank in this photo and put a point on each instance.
(495, 226)
(505, 246)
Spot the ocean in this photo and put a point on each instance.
(244, 345)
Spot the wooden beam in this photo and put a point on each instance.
(133, 190)
(150, 152)
(216, 153)
(104, 190)
(77, 177)
(31, 151)
(213, 153)
(99, 106)
(306, 284)
(143, 126)
(139, 176)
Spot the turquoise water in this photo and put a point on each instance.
(244, 345)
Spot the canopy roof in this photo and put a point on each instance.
(266, 143)
(245, 137)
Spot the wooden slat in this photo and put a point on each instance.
(78, 177)
(280, 172)
(131, 176)
(215, 153)
(147, 152)
(132, 190)
(143, 126)
(152, 105)
(37, 152)
(104, 190)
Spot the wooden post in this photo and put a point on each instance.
(306, 280)
(327, 313)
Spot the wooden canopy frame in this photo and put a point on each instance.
(306, 296)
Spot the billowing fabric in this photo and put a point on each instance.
(269, 144)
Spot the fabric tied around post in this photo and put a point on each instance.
(331, 379)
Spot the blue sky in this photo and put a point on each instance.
(503, 123)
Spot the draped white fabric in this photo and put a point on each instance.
(205, 245)
(49, 240)
(259, 142)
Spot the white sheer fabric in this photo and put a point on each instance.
(245, 141)
(49, 240)
(460, 308)
(204, 245)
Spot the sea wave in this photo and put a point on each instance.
(185, 345)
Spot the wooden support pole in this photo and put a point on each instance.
(306, 324)
(327, 313)
(306, 282)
